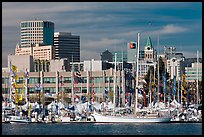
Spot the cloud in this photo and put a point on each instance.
(192, 54)
(107, 25)
(88, 55)
(102, 44)
(170, 29)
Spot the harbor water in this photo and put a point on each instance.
(102, 129)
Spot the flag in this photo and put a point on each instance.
(164, 83)
(14, 68)
(155, 95)
(15, 85)
(75, 80)
(3, 97)
(26, 75)
(188, 95)
(83, 99)
(140, 91)
(132, 45)
(15, 76)
(61, 78)
(106, 92)
(92, 93)
(127, 65)
(174, 85)
(77, 77)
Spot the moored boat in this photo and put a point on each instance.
(128, 119)
(18, 119)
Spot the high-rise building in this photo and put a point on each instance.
(67, 45)
(36, 32)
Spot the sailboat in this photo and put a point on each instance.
(15, 118)
(135, 118)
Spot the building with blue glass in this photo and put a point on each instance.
(36, 32)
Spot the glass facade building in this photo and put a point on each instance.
(37, 32)
(67, 45)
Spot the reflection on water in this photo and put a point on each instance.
(103, 129)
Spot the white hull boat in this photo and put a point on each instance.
(18, 119)
(129, 119)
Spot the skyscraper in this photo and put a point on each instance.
(36, 32)
(67, 45)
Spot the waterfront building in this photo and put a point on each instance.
(67, 45)
(36, 32)
(61, 82)
(191, 72)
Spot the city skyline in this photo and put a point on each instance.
(110, 25)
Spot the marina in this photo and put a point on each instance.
(82, 109)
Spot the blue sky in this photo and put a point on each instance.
(110, 25)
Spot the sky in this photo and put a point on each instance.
(110, 25)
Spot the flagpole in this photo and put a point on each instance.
(150, 89)
(10, 83)
(72, 75)
(114, 88)
(197, 77)
(137, 78)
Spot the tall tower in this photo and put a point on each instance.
(36, 32)
(149, 51)
(67, 45)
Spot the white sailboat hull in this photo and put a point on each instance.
(129, 119)
(17, 119)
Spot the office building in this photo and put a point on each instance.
(192, 73)
(36, 32)
(39, 52)
(52, 83)
(67, 45)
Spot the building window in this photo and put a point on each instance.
(34, 80)
(67, 80)
(49, 80)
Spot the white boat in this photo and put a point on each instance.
(128, 119)
(18, 119)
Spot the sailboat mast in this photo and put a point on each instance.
(10, 83)
(137, 69)
(150, 89)
(72, 75)
(114, 87)
(158, 72)
(197, 77)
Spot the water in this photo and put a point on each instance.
(103, 129)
